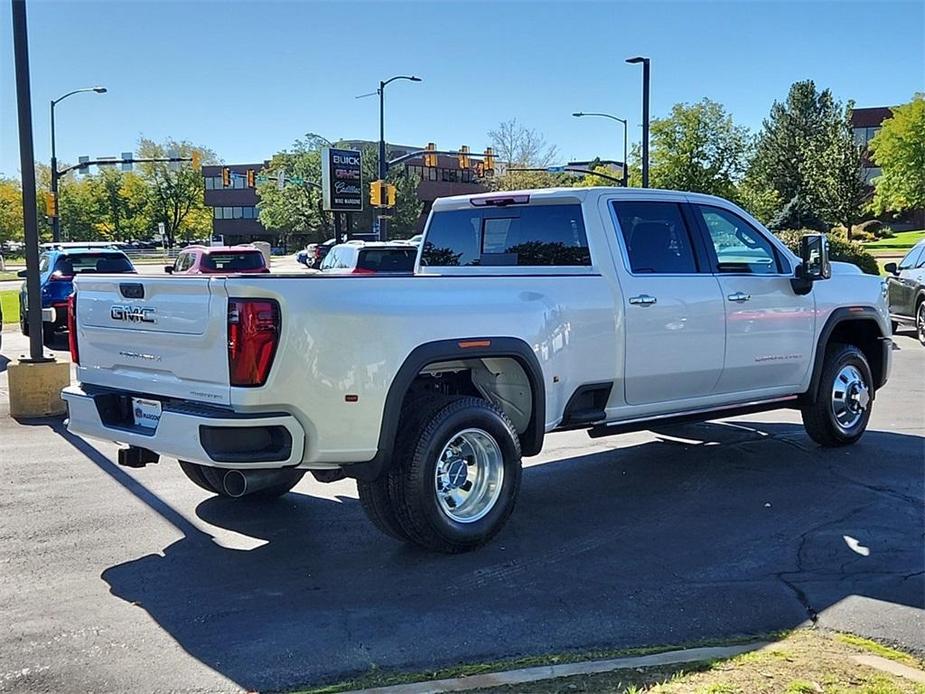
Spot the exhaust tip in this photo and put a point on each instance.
(235, 484)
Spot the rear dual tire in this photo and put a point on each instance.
(454, 479)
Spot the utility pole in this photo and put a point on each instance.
(383, 163)
(27, 166)
(55, 175)
(645, 116)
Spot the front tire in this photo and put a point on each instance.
(842, 407)
(455, 480)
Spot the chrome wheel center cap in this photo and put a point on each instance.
(861, 396)
(456, 474)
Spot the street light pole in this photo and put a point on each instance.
(383, 163)
(645, 116)
(625, 139)
(55, 222)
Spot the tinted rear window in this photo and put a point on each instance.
(75, 263)
(233, 262)
(387, 259)
(525, 236)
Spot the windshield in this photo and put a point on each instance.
(234, 261)
(76, 263)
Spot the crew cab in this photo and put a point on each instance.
(604, 309)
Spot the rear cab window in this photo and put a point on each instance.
(233, 261)
(539, 235)
(387, 259)
(77, 263)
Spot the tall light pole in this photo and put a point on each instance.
(580, 114)
(645, 116)
(55, 222)
(383, 164)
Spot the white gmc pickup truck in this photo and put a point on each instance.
(530, 312)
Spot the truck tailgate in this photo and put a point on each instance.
(158, 335)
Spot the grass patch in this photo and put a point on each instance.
(903, 240)
(6, 276)
(384, 678)
(805, 661)
(879, 649)
(9, 301)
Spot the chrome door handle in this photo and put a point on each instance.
(739, 297)
(643, 300)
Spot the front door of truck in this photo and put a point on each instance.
(673, 308)
(769, 328)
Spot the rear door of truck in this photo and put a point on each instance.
(163, 336)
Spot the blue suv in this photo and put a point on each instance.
(56, 278)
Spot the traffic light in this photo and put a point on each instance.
(375, 193)
(392, 191)
(196, 157)
(489, 161)
(464, 156)
(49, 204)
(429, 158)
(251, 179)
(226, 177)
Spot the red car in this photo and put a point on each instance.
(218, 260)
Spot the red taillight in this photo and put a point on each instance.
(253, 333)
(58, 276)
(72, 327)
(362, 271)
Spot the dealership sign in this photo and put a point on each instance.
(341, 180)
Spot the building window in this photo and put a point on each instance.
(431, 174)
(466, 176)
(250, 213)
(227, 212)
(216, 212)
(238, 213)
(871, 174)
(210, 183)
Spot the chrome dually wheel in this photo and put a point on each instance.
(469, 475)
(850, 397)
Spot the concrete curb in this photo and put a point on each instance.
(890, 666)
(548, 672)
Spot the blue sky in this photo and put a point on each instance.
(247, 78)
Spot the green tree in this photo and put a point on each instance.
(842, 189)
(899, 151)
(79, 205)
(793, 143)
(11, 217)
(698, 148)
(299, 208)
(122, 202)
(175, 194)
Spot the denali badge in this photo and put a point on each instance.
(133, 314)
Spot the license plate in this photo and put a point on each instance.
(147, 413)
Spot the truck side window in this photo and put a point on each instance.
(657, 239)
(532, 236)
(740, 248)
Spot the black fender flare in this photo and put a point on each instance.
(838, 317)
(447, 350)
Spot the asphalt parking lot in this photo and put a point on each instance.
(117, 580)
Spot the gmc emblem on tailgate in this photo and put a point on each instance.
(133, 314)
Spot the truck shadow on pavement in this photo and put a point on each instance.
(716, 530)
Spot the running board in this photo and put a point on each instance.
(643, 423)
